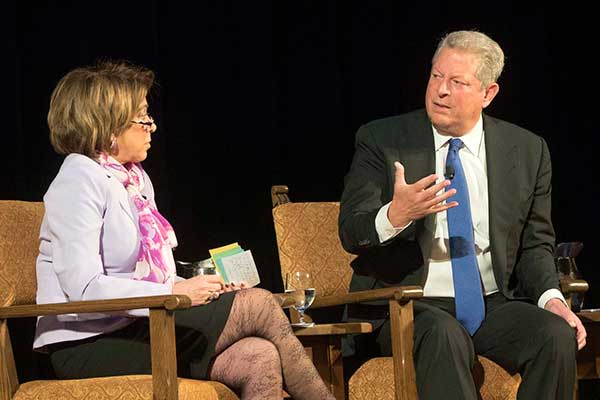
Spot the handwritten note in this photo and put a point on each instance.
(240, 267)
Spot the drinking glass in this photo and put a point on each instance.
(187, 269)
(300, 283)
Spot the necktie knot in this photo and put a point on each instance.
(455, 144)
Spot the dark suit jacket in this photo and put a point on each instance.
(519, 189)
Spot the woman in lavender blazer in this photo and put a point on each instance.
(103, 237)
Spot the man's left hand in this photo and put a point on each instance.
(559, 308)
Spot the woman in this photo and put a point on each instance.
(102, 237)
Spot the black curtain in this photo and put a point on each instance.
(253, 94)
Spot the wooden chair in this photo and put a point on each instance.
(19, 231)
(307, 240)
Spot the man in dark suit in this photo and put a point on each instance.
(491, 288)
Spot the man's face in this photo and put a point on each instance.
(454, 98)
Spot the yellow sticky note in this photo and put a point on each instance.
(223, 248)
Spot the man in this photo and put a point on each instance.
(459, 202)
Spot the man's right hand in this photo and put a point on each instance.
(415, 201)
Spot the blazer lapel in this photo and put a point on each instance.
(502, 163)
(123, 197)
(419, 162)
(418, 152)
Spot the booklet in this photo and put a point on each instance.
(235, 264)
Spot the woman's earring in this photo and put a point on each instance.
(114, 147)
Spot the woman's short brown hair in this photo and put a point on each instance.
(91, 104)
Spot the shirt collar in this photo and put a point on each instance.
(471, 139)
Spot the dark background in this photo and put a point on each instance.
(253, 94)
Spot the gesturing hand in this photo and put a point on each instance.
(417, 200)
(201, 289)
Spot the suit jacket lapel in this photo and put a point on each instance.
(420, 162)
(417, 150)
(502, 158)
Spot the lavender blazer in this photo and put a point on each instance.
(89, 242)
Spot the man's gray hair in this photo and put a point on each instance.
(487, 51)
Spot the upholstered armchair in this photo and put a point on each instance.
(307, 240)
(19, 231)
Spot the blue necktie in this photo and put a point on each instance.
(468, 296)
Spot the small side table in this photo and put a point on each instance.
(323, 344)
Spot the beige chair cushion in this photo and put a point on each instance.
(371, 381)
(494, 382)
(130, 387)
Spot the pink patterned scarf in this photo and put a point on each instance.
(155, 258)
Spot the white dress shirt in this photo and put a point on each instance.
(439, 281)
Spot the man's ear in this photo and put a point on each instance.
(490, 92)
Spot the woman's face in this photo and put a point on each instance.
(133, 143)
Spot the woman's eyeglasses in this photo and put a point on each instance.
(149, 121)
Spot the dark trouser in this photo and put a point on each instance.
(519, 336)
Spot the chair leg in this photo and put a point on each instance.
(9, 382)
(164, 357)
(402, 332)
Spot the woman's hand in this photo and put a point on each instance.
(201, 289)
(232, 286)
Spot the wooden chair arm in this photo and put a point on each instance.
(399, 293)
(168, 302)
(569, 285)
(342, 328)
(589, 317)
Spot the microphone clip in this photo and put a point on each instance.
(449, 173)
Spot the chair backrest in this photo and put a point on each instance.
(19, 246)
(307, 240)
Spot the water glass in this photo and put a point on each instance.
(300, 283)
